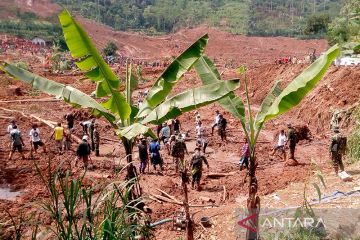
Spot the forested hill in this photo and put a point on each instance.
(253, 17)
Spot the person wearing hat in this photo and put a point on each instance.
(337, 149)
(83, 152)
(196, 166)
(292, 140)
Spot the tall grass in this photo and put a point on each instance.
(104, 211)
(353, 143)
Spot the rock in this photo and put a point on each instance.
(14, 90)
(345, 176)
(291, 162)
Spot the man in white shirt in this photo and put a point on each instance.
(217, 118)
(35, 140)
(280, 146)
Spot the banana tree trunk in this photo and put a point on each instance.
(189, 224)
(253, 201)
(131, 169)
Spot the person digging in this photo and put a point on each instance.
(196, 166)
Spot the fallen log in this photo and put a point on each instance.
(165, 199)
(224, 195)
(31, 100)
(219, 175)
(168, 195)
(110, 140)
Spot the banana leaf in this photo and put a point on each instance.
(299, 87)
(134, 130)
(190, 100)
(268, 101)
(90, 61)
(208, 75)
(68, 93)
(165, 83)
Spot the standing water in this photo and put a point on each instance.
(7, 194)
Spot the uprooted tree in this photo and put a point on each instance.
(127, 120)
(276, 102)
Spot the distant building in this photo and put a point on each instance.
(39, 41)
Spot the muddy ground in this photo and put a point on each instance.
(339, 89)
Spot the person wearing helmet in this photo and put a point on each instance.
(337, 149)
(83, 152)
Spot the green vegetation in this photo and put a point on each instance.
(253, 17)
(346, 27)
(276, 103)
(353, 143)
(28, 25)
(110, 49)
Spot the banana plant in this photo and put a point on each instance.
(116, 106)
(278, 101)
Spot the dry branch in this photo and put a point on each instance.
(168, 195)
(224, 195)
(31, 100)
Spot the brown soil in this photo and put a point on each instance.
(338, 89)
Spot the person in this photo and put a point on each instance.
(215, 124)
(197, 117)
(292, 139)
(337, 149)
(70, 120)
(91, 127)
(200, 137)
(196, 166)
(83, 152)
(9, 128)
(11, 125)
(17, 142)
(178, 152)
(245, 154)
(67, 139)
(222, 123)
(35, 139)
(154, 149)
(85, 126)
(158, 130)
(96, 134)
(165, 133)
(58, 134)
(280, 146)
(177, 125)
(143, 155)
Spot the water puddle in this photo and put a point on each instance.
(7, 194)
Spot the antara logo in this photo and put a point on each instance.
(253, 220)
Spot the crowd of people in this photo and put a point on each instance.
(170, 135)
(61, 137)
